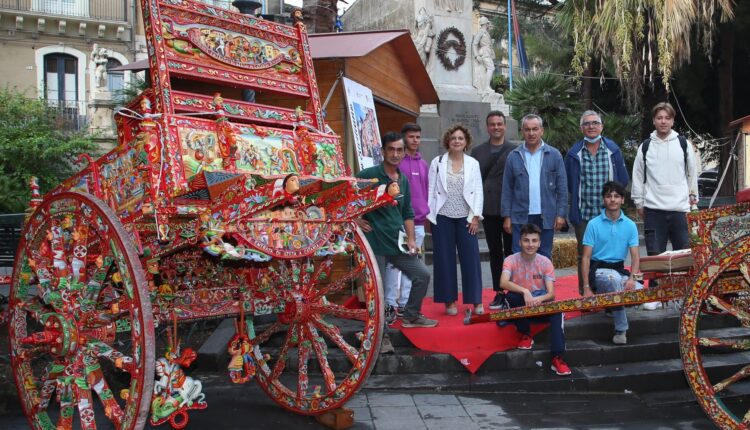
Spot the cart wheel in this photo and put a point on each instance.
(316, 354)
(714, 336)
(81, 330)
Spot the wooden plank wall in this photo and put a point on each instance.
(383, 72)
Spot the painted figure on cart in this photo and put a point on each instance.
(174, 392)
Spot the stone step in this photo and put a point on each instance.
(642, 376)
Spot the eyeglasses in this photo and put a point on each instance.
(591, 124)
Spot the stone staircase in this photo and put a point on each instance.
(649, 362)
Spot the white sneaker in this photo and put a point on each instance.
(650, 306)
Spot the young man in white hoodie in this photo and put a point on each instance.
(665, 183)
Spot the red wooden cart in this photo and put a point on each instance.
(217, 202)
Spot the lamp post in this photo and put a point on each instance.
(248, 7)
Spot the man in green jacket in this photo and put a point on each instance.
(382, 226)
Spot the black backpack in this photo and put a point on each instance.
(644, 150)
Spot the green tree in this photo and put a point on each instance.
(552, 97)
(555, 99)
(645, 40)
(33, 143)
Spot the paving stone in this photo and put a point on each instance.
(388, 399)
(359, 400)
(435, 399)
(487, 411)
(451, 423)
(396, 417)
(445, 411)
(361, 414)
(396, 414)
(468, 400)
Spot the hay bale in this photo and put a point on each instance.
(564, 253)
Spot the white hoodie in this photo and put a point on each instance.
(668, 186)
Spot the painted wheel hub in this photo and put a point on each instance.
(59, 337)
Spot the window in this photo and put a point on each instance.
(61, 79)
(115, 78)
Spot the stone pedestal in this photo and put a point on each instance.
(101, 116)
(471, 114)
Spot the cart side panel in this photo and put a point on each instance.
(713, 229)
(258, 149)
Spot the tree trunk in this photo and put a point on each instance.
(319, 15)
(726, 106)
(588, 102)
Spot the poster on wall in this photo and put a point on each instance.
(361, 107)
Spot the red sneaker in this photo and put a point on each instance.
(526, 342)
(559, 366)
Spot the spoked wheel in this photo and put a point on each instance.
(81, 330)
(715, 336)
(315, 354)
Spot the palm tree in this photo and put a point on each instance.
(646, 40)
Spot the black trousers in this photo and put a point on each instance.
(500, 244)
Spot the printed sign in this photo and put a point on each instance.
(361, 107)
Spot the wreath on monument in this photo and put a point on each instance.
(457, 43)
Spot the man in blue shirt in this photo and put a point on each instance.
(590, 163)
(535, 188)
(606, 243)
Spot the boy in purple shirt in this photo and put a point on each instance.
(397, 286)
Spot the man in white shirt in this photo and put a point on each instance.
(665, 183)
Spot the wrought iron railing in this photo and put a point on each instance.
(109, 10)
(69, 115)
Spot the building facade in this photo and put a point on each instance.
(52, 48)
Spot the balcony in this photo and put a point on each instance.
(69, 116)
(101, 10)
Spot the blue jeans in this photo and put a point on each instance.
(547, 235)
(557, 331)
(395, 296)
(449, 235)
(610, 281)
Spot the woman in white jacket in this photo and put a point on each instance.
(455, 199)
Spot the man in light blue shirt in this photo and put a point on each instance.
(535, 187)
(606, 243)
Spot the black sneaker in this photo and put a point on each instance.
(498, 302)
(399, 312)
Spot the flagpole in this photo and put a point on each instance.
(510, 47)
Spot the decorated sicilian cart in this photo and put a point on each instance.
(711, 284)
(227, 196)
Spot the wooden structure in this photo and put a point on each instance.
(384, 61)
(743, 151)
(217, 202)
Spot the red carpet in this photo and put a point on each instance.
(473, 344)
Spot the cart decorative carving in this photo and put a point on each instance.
(209, 207)
(714, 294)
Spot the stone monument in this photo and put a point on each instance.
(459, 60)
(101, 106)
